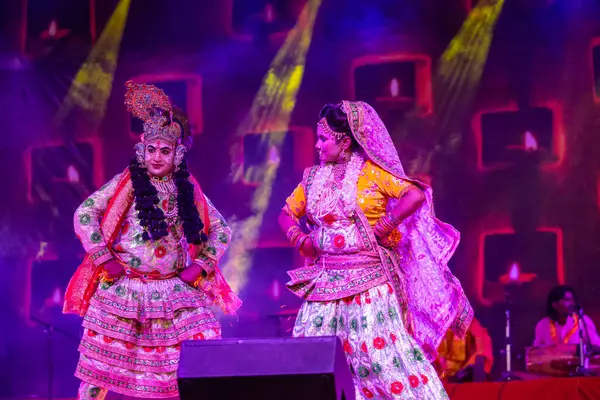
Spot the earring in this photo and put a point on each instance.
(139, 153)
(345, 156)
(179, 153)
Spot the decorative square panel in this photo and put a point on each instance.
(53, 167)
(393, 84)
(184, 90)
(52, 24)
(595, 66)
(534, 261)
(507, 137)
(59, 178)
(49, 279)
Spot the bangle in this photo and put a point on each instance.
(395, 219)
(383, 227)
(301, 240)
(386, 225)
(293, 234)
(292, 230)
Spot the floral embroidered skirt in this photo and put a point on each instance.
(384, 359)
(133, 331)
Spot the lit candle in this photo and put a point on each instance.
(275, 291)
(269, 13)
(57, 297)
(395, 88)
(53, 28)
(530, 142)
(513, 274)
(72, 174)
(54, 32)
(392, 99)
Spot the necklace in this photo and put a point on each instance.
(166, 188)
(161, 178)
(339, 171)
(164, 185)
(329, 188)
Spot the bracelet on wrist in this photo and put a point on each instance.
(293, 232)
(386, 225)
(301, 240)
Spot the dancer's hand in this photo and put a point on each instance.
(383, 241)
(308, 249)
(390, 240)
(191, 274)
(114, 269)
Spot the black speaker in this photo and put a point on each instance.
(265, 369)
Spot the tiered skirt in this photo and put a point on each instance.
(385, 361)
(132, 335)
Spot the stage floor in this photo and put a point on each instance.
(551, 388)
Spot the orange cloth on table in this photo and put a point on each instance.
(460, 353)
(374, 187)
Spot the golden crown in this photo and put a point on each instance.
(152, 105)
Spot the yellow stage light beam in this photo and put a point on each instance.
(462, 63)
(92, 85)
(270, 115)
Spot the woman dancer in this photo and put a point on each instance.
(376, 270)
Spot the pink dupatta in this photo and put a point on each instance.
(433, 296)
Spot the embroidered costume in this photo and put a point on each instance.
(389, 306)
(133, 326)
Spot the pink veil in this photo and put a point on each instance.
(433, 296)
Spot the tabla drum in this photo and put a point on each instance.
(556, 360)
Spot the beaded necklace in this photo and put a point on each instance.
(327, 190)
(166, 188)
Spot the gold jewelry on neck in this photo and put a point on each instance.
(165, 178)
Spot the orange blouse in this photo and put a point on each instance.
(374, 187)
(460, 353)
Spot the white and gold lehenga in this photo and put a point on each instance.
(390, 308)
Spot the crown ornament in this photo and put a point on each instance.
(152, 105)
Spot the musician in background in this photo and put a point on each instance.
(458, 359)
(561, 326)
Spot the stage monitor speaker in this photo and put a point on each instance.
(265, 369)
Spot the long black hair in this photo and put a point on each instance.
(557, 294)
(186, 206)
(152, 218)
(338, 122)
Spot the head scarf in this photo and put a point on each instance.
(434, 297)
